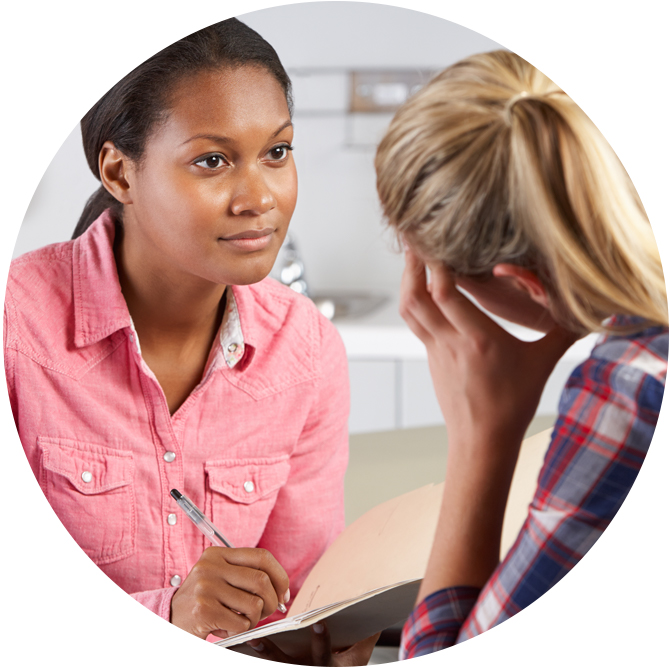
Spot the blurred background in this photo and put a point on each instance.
(352, 64)
(326, 47)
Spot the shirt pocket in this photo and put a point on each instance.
(241, 494)
(90, 487)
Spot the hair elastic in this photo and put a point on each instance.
(510, 104)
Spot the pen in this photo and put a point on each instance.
(205, 526)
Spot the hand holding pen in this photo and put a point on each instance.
(206, 527)
(229, 590)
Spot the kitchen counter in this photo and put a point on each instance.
(391, 386)
(380, 335)
(383, 334)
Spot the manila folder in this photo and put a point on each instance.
(366, 581)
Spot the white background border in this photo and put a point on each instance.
(57, 607)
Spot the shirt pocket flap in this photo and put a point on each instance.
(246, 481)
(93, 469)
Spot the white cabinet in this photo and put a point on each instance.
(394, 393)
(390, 394)
(373, 396)
(418, 404)
(390, 382)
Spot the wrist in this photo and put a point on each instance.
(498, 428)
(476, 487)
(483, 447)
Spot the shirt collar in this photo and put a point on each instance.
(100, 308)
(232, 339)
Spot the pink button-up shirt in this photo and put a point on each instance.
(260, 445)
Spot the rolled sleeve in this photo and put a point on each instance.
(158, 601)
(437, 620)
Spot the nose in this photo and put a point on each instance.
(252, 194)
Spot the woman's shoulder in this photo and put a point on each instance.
(644, 350)
(40, 277)
(39, 301)
(41, 265)
(277, 306)
(627, 369)
(292, 341)
(273, 313)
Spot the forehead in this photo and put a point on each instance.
(240, 98)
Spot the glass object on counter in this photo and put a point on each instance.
(289, 268)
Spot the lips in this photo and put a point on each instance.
(249, 234)
(249, 241)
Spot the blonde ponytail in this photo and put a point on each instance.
(492, 163)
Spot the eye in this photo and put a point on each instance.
(280, 152)
(211, 162)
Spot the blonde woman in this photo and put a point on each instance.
(500, 185)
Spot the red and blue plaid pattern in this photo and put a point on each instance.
(607, 415)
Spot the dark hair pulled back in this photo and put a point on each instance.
(129, 111)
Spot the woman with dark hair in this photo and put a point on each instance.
(151, 352)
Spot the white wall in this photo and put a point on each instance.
(337, 221)
(363, 35)
(58, 200)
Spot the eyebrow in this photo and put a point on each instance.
(225, 140)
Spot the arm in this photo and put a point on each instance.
(488, 385)
(309, 512)
(157, 600)
(9, 353)
(607, 416)
(598, 445)
(476, 369)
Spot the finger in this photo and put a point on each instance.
(221, 621)
(269, 651)
(263, 561)
(321, 653)
(416, 304)
(256, 584)
(358, 654)
(412, 284)
(242, 602)
(461, 312)
(414, 325)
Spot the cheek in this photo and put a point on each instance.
(157, 191)
(286, 190)
(176, 199)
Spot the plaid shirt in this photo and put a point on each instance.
(607, 415)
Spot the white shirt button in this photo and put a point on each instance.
(86, 476)
(169, 456)
(232, 347)
(175, 581)
(172, 520)
(249, 487)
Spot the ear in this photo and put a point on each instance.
(115, 168)
(524, 280)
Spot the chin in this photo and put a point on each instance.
(246, 275)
